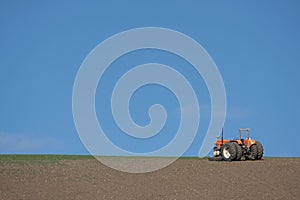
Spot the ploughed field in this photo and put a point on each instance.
(83, 177)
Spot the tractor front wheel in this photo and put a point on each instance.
(228, 151)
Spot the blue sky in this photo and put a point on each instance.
(43, 43)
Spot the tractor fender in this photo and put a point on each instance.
(248, 143)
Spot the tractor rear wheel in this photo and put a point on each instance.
(228, 151)
(260, 150)
(239, 151)
(253, 152)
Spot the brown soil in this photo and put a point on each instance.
(274, 178)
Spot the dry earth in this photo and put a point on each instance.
(272, 178)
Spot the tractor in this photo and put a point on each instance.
(237, 149)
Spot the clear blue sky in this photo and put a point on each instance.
(256, 46)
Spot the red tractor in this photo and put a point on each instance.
(234, 150)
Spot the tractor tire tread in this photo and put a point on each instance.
(253, 152)
(260, 151)
(239, 151)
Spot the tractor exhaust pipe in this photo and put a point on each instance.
(222, 137)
